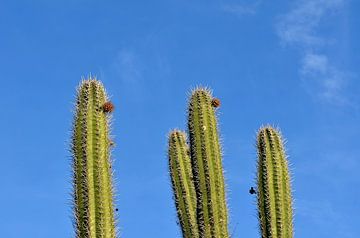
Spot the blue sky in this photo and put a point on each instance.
(293, 64)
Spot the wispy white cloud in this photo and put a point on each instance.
(323, 213)
(319, 74)
(315, 63)
(316, 211)
(128, 67)
(241, 9)
(300, 28)
(139, 67)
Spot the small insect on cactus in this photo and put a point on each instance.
(273, 180)
(92, 175)
(198, 180)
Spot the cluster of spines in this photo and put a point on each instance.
(206, 166)
(92, 179)
(274, 190)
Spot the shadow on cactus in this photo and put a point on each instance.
(196, 171)
(93, 196)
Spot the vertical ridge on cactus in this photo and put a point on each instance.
(206, 161)
(92, 179)
(274, 190)
(182, 183)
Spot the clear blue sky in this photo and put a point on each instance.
(293, 64)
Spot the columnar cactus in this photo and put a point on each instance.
(92, 176)
(206, 162)
(182, 183)
(274, 192)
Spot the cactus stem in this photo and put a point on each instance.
(274, 190)
(93, 191)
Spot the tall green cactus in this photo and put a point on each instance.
(206, 163)
(92, 176)
(206, 160)
(274, 191)
(182, 183)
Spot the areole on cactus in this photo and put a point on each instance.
(93, 195)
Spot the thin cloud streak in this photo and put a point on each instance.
(324, 213)
(241, 9)
(128, 67)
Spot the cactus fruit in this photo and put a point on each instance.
(206, 163)
(182, 183)
(273, 181)
(215, 102)
(92, 174)
(108, 107)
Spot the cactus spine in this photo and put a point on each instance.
(206, 163)
(182, 183)
(274, 191)
(92, 176)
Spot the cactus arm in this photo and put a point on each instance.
(274, 191)
(207, 166)
(81, 199)
(93, 195)
(182, 183)
(286, 183)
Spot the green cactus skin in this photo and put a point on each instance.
(273, 181)
(206, 160)
(92, 174)
(182, 183)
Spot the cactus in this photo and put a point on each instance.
(274, 192)
(206, 160)
(92, 174)
(206, 163)
(182, 183)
